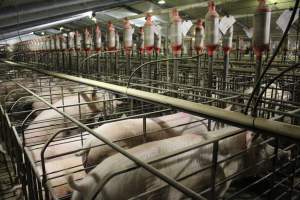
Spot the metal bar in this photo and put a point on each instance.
(238, 119)
(139, 162)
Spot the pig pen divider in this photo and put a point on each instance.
(149, 168)
(256, 124)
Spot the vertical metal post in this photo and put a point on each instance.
(144, 129)
(156, 67)
(210, 82)
(210, 75)
(63, 60)
(77, 62)
(106, 65)
(98, 64)
(116, 67)
(110, 69)
(214, 170)
(258, 69)
(70, 61)
(294, 167)
(226, 68)
(274, 161)
(57, 60)
(199, 72)
(79, 106)
(129, 65)
(87, 66)
(297, 42)
(149, 71)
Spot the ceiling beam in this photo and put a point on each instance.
(14, 28)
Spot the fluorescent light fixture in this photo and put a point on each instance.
(20, 38)
(47, 25)
(118, 13)
(161, 2)
(94, 19)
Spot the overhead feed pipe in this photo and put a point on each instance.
(157, 48)
(97, 46)
(149, 43)
(111, 43)
(185, 190)
(95, 43)
(77, 40)
(87, 48)
(128, 44)
(141, 45)
(272, 81)
(52, 49)
(273, 55)
(261, 38)
(238, 119)
(71, 48)
(211, 38)
(63, 47)
(176, 41)
(57, 48)
(199, 47)
(227, 46)
(211, 43)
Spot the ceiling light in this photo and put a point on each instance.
(161, 2)
(93, 17)
(42, 33)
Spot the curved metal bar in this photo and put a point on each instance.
(169, 155)
(15, 103)
(158, 61)
(187, 191)
(95, 54)
(237, 119)
(11, 92)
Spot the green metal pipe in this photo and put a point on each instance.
(238, 119)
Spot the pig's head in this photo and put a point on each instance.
(101, 96)
(260, 155)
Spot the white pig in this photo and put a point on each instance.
(50, 121)
(61, 165)
(134, 182)
(56, 95)
(133, 129)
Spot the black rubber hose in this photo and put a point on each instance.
(272, 81)
(273, 56)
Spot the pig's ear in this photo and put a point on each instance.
(94, 95)
(92, 106)
(249, 138)
(228, 107)
(73, 185)
(117, 102)
(123, 116)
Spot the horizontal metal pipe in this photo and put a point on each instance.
(238, 119)
(187, 191)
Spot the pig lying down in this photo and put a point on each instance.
(49, 121)
(58, 168)
(130, 131)
(135, 182)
